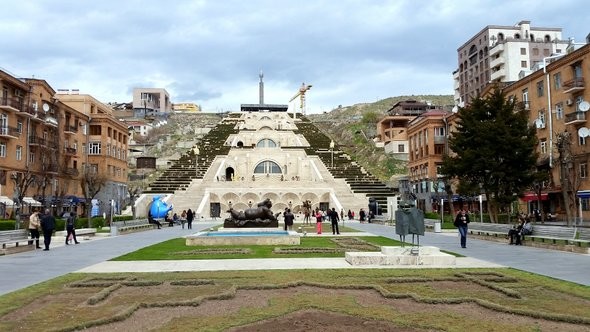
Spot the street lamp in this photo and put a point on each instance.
(332, 152)
(196, 151)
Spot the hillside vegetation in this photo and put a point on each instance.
(353, 128)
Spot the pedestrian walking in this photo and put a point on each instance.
(461, 222)
(34, 227)
(189, 218)
(289, 218)
(48, 226)
(333, 215)
(71, 229)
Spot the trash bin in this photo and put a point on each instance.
(437, 227)
(114, 231)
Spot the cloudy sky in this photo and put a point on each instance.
(211, 52)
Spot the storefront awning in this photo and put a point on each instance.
(6, 200)
(31, 201)
(584, 193)
(528, 197)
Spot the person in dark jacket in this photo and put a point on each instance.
(461, 222)
(334, 219)
(189, 218)
(71, 228)
(48, 226)
(289, 218)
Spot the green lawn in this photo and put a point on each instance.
(176, 249)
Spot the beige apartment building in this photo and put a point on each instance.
(427, 136)
(151, 102)
(106, 143)
(500, 54)
(557, 99)
(43, 139)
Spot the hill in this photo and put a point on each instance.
(354, 127)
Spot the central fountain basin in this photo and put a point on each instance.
(248, 236)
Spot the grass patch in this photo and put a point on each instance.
(176, 249)
(425, 299)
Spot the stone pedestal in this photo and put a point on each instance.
(402, 256)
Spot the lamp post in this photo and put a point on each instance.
(196, 151)
(332, 153)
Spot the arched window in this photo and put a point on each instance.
(266, 143)
(265, 118)
(547, 38)
(266, 167)
(500, 36)
(517, 36)
(532, 37)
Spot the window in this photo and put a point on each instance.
(583, 170)
(581, 140)
(522, 51)
(19, 152)
(439, 131)
(523, 64)
(400, 148)
(541, 116)
(266, 167)
(535, 51)
(543, 146)
(266, 143)
(19, 126)
(2, 150)
(557, 81)
(94, 148)
(540, 86)
(585, 204)
(32, 158)
(559, 111)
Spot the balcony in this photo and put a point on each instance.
(70, 151)
(9, 132)
(440, 139)
(575, 118)
(71, 171)
(70, 129)
(496, 49)
(40, 141)
(498, 75)
(496, 62)
(49, 168)
(574, 85)
(11, 104)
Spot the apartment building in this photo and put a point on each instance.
(427, 136)
(40, 141)
(151, 102)
(106, 143)
(502, 54)
(392, 129)
(557, 99)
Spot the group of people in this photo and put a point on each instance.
(187, 216)
(517, 232)
(46, 223)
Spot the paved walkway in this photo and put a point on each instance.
(21, 270)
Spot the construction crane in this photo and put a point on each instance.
(301, 94)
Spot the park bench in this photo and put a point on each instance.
(552, 234)
(132, 225)
(16, 238)
(489, 229)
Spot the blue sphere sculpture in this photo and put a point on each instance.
(159, 209)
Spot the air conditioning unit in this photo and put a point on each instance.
(569, 102)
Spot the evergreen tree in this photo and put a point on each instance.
(493, 150)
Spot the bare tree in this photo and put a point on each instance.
(22, 182)
(91, 182)
(570, 179)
